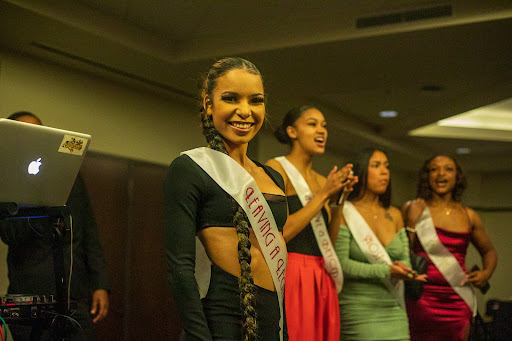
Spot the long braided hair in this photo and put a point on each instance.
(214, 140)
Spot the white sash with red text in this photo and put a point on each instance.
(372, 248)
(238, 183)
(443, 259)
(332, 263)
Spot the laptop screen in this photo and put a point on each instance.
(39, 164)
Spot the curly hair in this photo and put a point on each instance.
(424, 190)
(289, 120)
(214, 140)
(360, 169)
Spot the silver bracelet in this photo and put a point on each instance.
(410, 229)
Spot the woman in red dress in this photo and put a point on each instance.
(311, 298)
(441, 313)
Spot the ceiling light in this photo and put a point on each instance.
(463, 150)
(388, 113)
(491, 122)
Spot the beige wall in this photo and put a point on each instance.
(140, 125)
(113, 114)
(495, 191)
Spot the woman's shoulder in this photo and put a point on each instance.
(274, 174)
(472, 215)
(276, 166)
(184, 169)
(396, 215)
(394, 211)
(182, 162)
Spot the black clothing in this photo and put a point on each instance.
(305, 241)
(30, 260)
(222, 308)
(192, 201)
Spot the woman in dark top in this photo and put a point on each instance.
(233, 110)
(311, 298)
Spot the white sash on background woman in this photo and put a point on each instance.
(443, 259)
(372, 248)
(238, 183)
(331, 261)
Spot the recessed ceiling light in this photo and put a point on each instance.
(388, 113)
(463, 150)
(492, 122)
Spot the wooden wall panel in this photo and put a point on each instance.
(126, 197)
(151, 300)
(106, 179)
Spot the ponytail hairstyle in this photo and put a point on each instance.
(289, 120)
(360, 169)
(214, 140)
(424, 190)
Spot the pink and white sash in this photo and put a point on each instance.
(331, 261)
(372, 248)
(238, 183)
(443, 259)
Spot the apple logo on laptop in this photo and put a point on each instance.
(33, 167)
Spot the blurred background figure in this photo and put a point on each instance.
(312, 311)
(441, 228)
(373, 250)
(31, 265)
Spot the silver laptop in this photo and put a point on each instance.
(38, 164)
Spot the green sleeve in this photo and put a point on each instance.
(353, 268)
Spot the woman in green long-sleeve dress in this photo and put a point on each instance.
(376, 263)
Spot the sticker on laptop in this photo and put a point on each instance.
(73, 145)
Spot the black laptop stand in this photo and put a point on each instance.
(33, 310)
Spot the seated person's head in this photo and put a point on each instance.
(25, 116)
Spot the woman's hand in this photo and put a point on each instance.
(338, 180)
(350, 180)
(401, 271)
(478, 278)
(334, 181)
(414, 211)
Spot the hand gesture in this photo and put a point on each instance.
(99, 307)
(477, 277)
(334, 181)
(401, 271)
(338, 180)
(416, 207)
(350, 180)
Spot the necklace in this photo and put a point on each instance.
(368, 208)
(448, 210)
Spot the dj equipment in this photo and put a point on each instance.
(24, 308)
(42, 313)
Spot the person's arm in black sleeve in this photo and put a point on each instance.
(182, 195)
(82, 214)
(94, 260)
